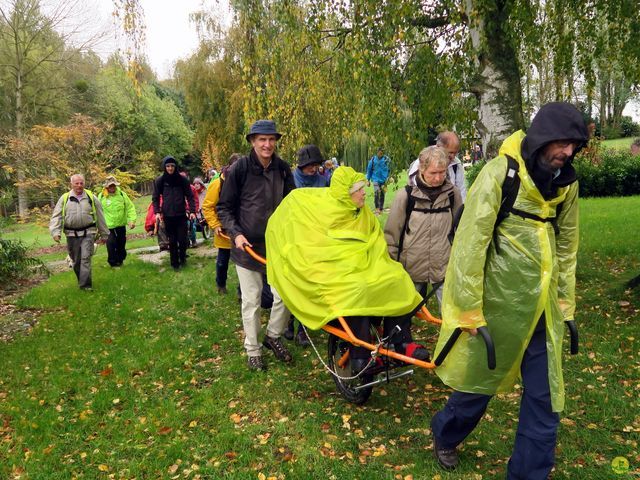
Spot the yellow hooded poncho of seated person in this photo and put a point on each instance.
(328, 258)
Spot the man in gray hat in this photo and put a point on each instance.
(253, 189)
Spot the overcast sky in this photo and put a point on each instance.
(169, 34)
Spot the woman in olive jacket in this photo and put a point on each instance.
(419, 229)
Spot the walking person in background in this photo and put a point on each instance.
(118, 212)
(176, 196)
(378, 173)
(223, 244)
(78, 213)
(450, 143)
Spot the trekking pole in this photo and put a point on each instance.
(488, 341)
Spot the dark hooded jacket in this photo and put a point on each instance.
(555, 121)
(250, 194)
(175, 191)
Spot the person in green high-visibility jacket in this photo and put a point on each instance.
(518, 280)
(328, 258)
(118, 212)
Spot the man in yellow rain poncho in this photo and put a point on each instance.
(327, 257)
(519, 281)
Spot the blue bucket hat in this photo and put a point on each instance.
(263, 127)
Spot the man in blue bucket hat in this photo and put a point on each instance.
(255, 186)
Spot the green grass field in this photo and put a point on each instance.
(145, 377)
(619, 143)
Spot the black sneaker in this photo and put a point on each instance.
(278, 348)
(256, 363)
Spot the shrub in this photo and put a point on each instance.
(473, 172)
(601, 172)
(617, 173)
(628, 127)
(15, 263)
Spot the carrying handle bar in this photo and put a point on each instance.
(573, 332)
(488, 341)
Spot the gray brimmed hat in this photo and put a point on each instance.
(309, 155)
(111, 180)
(263, 127)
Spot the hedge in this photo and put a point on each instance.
(615, 173)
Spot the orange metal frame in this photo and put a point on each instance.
(345, 332)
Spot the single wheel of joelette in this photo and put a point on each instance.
(336, 348)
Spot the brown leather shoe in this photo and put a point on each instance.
(278, 348)
(256, 363)
(447, 457)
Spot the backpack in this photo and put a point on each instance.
(510, 187)
(411, 207)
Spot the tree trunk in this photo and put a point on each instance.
(497, 87)
(23, 199)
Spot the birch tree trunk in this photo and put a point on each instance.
(497, 86)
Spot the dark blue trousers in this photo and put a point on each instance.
(533, 453)
(222, 266)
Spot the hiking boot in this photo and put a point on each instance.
(413, 350)
(447, 457)
(256, 363)
(278, 348)
(301, 338)
(288, 333)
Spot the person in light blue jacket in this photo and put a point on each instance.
(378, 173)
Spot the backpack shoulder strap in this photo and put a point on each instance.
(452, 232)
(411, 203)
(241, 170)
(510, 187)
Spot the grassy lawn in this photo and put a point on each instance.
(619, 143)
(145, 377)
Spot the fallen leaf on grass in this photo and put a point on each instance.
(103, 468)
(165, 431)
(173, 469)
(231, 455)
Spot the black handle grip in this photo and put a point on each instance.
(491, 349)
(448, 346)
(484, 333)
(573, 332)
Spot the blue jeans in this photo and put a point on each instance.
(378, 195)
(222, 267)
(533, 453)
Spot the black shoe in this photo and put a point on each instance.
(301, 338)
(447, 457)
(288, 333)
(222, 290)
(278, 348)
(256, 363)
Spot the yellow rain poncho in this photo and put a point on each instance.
(533, 273)
(327, 258)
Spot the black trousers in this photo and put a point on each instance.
(176, 229)
(116, 246)
(360, 326)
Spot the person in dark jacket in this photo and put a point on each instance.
(307, 174)
(255, 186)
(176, 195)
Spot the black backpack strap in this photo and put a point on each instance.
(411, 203)
(554, 220)
(510, 188)
(452, 232)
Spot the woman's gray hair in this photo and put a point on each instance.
(432, 155)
